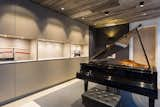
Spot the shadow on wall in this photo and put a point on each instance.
(26, 23)
(75, 35)
(54, 29)
(30, 20)
(17, 20)
(7, 18)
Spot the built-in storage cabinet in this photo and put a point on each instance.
(28, 66)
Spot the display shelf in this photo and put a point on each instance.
(79, 50)
(51, 49)
(20, 49)
(15, 49)
(58, 50)
(6, 54)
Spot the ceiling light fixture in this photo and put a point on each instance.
(62, 8)
(106, 13)
(21, 37)
(83, 18)
(5, 36)
(141, 4)
(144, 14)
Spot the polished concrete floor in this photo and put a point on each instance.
(64, 95)
(69, 95)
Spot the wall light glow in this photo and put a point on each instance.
(111, 33)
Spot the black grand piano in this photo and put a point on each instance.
(121, 74)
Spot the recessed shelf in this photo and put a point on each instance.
(18, 49)
(48, 50)
(15, 49)
(79, 50)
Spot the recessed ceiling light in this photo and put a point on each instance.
(141, 4)
(83, 18)
(144, 14)
(106, 13)
(21, 37)
(62, 8)
(5, 36)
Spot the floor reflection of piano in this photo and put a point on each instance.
(121, 74)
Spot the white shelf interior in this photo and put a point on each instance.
(19, 49)
(79, 51)
(48, 50)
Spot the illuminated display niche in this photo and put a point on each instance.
(15, 49)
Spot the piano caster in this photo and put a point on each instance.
(151, 102)
(85, 85)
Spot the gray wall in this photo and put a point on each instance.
(26, 19)
(20, 79)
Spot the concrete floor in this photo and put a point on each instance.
(64, 95)
(69, 95)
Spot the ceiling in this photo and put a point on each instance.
(92, 12)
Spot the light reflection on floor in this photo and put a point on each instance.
(31, 104)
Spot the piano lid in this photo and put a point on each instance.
(120, 44)
(114, 46)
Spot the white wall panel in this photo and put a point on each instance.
(7, 82)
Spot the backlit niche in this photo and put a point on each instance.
(79, 50)
(48, 49)
(16, 48)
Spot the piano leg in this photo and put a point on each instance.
(86, 85)
(151, 102)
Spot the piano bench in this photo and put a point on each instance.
(100, 98)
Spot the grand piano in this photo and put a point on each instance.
(121, 74)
